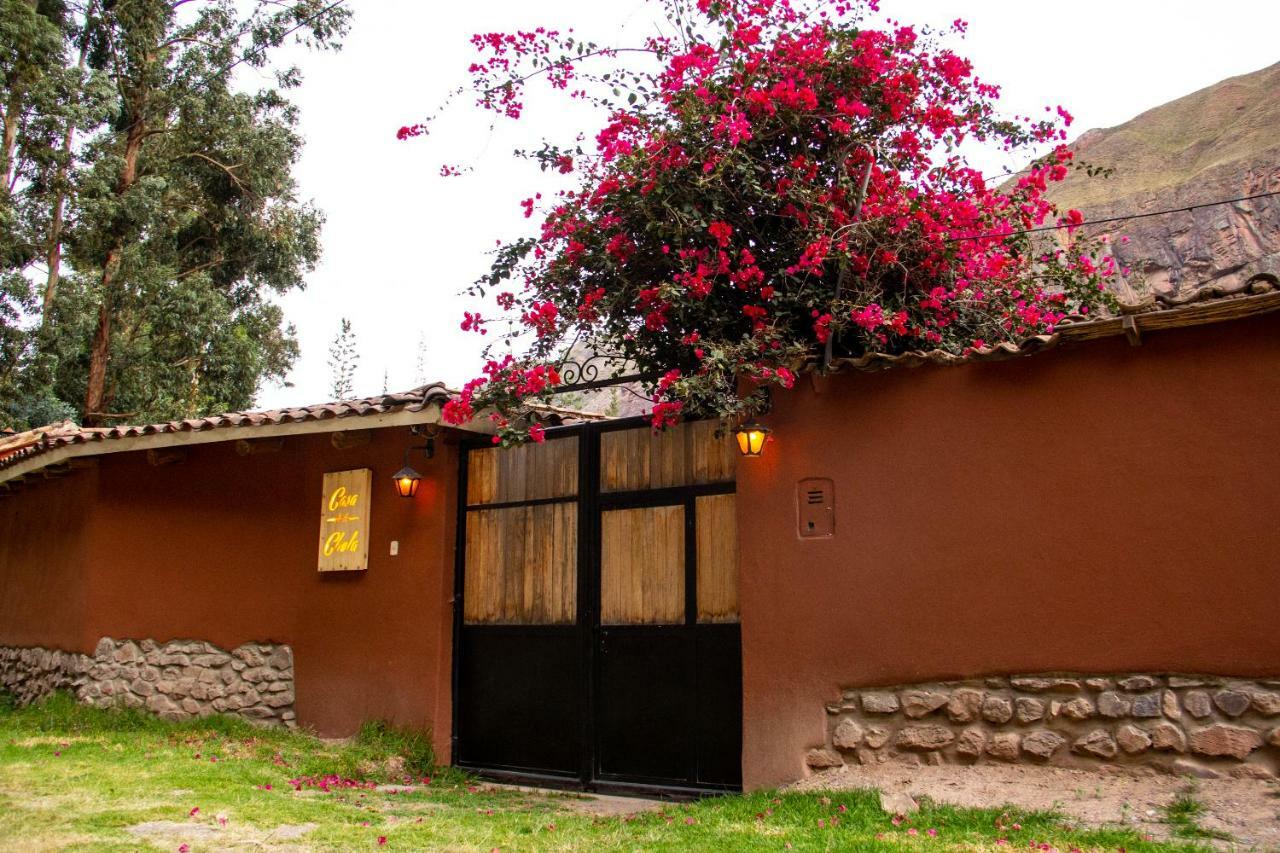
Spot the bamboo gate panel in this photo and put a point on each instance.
(686, 455)
(521, 538)
(521, 561)
(717, 538)
(521, 565)
(528, 472)
(642, 566)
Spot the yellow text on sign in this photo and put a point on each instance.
(344, 521)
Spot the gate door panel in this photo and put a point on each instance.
(668, 666)
(519, 657)
(597, 637)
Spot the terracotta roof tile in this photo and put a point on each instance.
(1209, 307)
(22, 446)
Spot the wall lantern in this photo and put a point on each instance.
(751, 439)
(407, 479)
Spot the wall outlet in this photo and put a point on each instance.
(395, 547)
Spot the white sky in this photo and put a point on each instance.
(400, 241)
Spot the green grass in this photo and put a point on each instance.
(77, 778)
(1183, 816)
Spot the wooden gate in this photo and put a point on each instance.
(596, 637)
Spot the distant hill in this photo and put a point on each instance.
(1219, 142)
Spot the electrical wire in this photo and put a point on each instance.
(1184, 209)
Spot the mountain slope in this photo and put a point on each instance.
(1220, 142)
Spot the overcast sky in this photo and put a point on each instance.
(400, 241)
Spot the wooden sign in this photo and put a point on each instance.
(344, 521)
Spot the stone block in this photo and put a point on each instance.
(1042, 744)
(1099, 683)
(924, 738)
(1135, 683)
(1273, 737)
(1267, 704)
(279, 700)
(1030, 683)
(1114, 705)
(1183, 681)
(1078, 709)
(127, 652)
(997, 709)
(1004, 746)
(847, 735)
(965, 705)
(1224, 739)
(1169, 705)
(880, 703)
(1167, 736)
(1197, 703)
(255, 674)
(1233, 703)
(1147, 705)
(970, 743)
(1027, 709)
(821, 759)
(1098, 743)
(1132, 739)
(921, 703)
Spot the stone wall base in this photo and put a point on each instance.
(177, 680)
(1186, 724)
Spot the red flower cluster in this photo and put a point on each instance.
(788, 178)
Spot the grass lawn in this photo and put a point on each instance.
(79, 778)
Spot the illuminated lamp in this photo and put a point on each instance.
(407, 479)
(751, 439)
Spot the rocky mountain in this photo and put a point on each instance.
(1220, 142)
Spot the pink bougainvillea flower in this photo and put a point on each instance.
(195, 811)
(787, 178)
(382, 839)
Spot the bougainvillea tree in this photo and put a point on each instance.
(782, 185)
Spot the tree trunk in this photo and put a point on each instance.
(8, 157)
(100, 349)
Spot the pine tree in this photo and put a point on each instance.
(343, 359)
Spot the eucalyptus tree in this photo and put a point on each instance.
(176, 218)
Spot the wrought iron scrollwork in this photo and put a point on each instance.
(598, 370)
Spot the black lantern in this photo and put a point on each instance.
(751, 439)
(407, 479)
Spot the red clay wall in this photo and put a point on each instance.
(222, 548)
(1099, 509)
(43, 586)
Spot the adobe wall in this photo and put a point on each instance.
(221, 549)
(1090, 512)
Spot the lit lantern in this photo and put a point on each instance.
(751, 438)
(407, 481)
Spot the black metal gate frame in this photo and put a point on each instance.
(591, 502)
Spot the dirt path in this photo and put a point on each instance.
(1247, 809)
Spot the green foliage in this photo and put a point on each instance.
(1183, 816)
(182, 219)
